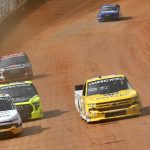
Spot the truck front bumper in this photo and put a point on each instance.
(119, 113)
(28, 111)
(13, 130)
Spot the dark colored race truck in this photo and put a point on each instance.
(14, 67)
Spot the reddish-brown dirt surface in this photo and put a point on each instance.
(66, 45)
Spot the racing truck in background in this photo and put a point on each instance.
(106, 97)
(14, 67)
(10, 121)
(25, 97)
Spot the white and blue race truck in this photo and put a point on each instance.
(10, 121)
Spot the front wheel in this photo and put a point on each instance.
(18, 134)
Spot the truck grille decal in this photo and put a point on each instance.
(117, 113)
(114, 105)
(25, 111)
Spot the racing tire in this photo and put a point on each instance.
(18, 134)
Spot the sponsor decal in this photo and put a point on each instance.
(4, 98)
(13, 55)
(4, 115)
(19, 107)
(106, 80)
(16, 85)
(15, 71)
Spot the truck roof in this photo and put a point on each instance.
(109, 5)
(13, 55)
(16, 83)
(105, 77)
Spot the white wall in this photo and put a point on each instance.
(8, 6)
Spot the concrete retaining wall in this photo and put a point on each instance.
(8, 6)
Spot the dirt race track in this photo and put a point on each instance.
(66, 45)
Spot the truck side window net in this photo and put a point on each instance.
(84, 88)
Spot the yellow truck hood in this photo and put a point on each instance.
(101, 98)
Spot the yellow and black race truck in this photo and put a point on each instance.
(107, 97)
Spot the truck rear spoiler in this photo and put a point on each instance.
(79, 87)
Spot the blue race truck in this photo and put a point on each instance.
(109, 12)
